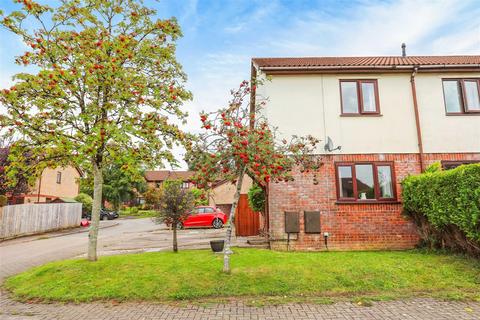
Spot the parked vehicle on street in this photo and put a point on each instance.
(205, 216)
(104, 215)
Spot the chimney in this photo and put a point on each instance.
(404, 51)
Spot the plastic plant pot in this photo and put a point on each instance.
(217, 245)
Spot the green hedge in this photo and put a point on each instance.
(449, 201)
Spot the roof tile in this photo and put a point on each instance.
(162, 175)
(382, 61)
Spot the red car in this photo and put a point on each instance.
(205, 216)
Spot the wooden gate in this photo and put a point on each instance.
(247, 222)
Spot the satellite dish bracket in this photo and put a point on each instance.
(329, 145)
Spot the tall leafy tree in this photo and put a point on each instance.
(17, 186)
(106, 88)
(118, 185)
(238, 140)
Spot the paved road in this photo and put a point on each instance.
(133, 235)
(142, 235)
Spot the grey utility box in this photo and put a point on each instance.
(312, 222)
(292, 224)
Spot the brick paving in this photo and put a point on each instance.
(421, 309)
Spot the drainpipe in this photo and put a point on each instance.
(253, 92)
(417, 118)
(39, 188)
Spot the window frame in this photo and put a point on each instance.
(59, 177)
(361, 109)
(463, 97)
(375, 164)
(447, 163)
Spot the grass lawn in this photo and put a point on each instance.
(137, 214)
(257, 274)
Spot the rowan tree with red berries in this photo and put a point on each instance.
(238, 140)
(105, 88)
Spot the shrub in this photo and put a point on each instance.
(200, 195)
(86, 201)
(3, 200)
(133, 210)
(256, 198)
(437, 166)
(152, 196)
(446, 207)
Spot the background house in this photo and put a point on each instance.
(156, 178)
(222, 193)
(247, 222)
(392, 116)
(54, 184)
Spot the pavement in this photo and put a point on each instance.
(419, 309)
(142, 235)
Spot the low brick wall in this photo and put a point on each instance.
(350, 226)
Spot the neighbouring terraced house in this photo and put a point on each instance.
(386, 118)
(53, 185)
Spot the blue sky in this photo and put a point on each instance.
(221, 36)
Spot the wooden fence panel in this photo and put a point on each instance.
(247, 222)
(23, 219)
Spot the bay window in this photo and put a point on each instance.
(365, 181)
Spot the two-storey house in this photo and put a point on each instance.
(156, 178)
(386, 117)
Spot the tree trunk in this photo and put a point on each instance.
(95, 220)
(231, 223)
(175, 243)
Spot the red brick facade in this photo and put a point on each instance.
(350, 226)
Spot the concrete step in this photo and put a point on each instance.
(257, 241)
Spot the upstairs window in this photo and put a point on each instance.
(59, 177)
(359, 97)
(462, 96)
(365, 182)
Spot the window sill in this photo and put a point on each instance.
(361, 115)
(464, 114)
(368, 202)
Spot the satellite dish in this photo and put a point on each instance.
(330, 147)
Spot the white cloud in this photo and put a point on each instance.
(373, 29)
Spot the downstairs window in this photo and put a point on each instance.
(365, 181)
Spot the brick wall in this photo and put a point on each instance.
(351, 226)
